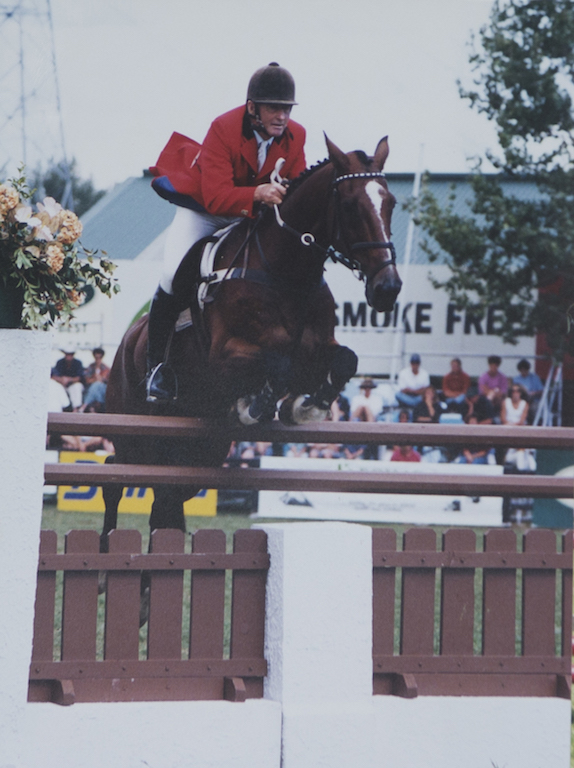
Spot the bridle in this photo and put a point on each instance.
(308, 239)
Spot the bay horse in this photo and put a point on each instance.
(268, 320)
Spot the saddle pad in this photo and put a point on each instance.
(208, 276)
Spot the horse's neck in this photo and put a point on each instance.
(307, 208)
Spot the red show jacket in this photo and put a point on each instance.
(221, 174)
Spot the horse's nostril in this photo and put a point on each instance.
(382, 298)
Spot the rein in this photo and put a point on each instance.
(308, 239)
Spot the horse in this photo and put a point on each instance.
(264, 340)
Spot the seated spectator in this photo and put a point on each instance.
(368, 404)
(515, 412)
(69, 372)
(340, 409)
(405, 453)
(493, 385)
(514, 408)
(96, 377)
(430, 408)
(324, 451)
(404, 416)
(455, 385)
(365, 407)
(295, 450)
(531, 385)
(412, 382)
(473, 454)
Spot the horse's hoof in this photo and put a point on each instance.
(242, 409)
(305, 410)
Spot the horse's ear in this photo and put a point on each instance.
(381, 154)
(337, 156)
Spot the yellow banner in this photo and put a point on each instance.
(85, 498)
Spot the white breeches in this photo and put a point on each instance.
(186, 229)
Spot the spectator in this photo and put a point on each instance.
(368, 404)
(531, 385)
(514, 412)
(69, 372)
(404, 416)
(493, 385)
(473, 454)
(405, 453)
(455, 385)
(514, 408)
(96, 377)
(340, 409)
(530, 382)
(365, 407)
(412, 382)
(429, 409)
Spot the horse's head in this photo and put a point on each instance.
(362, 220)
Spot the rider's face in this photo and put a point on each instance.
(273, 117)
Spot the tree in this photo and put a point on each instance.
(62, 182)
(513, 252)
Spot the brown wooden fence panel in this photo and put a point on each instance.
(457, 597)
(418, 596)
(541, 668)
(121, 639)
(80, 601)
(499, 598)
(207, 600)
(248, 609)
(384, 586)
(567, 596)
(43, 647)
(538, 598)
(384, 582)
(164, 675)
(165, 600)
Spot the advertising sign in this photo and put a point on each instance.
(433, 326)
(383, 507)
(83, 498)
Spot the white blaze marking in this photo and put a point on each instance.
(373, 190)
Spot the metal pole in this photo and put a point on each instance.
(399, 337)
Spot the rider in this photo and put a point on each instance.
(225, 179)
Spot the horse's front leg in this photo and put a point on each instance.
(315, 406)
(262, 406)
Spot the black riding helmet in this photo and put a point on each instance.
(272, 85)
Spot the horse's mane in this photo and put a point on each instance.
(296, 183)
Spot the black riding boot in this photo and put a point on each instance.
(161, 383)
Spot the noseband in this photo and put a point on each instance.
(308, 239)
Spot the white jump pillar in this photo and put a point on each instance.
(24, 376)
(319, 640)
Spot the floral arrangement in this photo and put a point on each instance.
(40, 255)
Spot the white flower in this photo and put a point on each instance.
(23, 214)
(49, 205)
(43, 233)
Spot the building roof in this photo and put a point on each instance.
(442, 186)
(127, 219)
(131, 216)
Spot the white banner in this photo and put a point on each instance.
(384, 507)
(433, 326)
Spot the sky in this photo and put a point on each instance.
(132, 71)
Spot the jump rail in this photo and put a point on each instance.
(535, 486)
